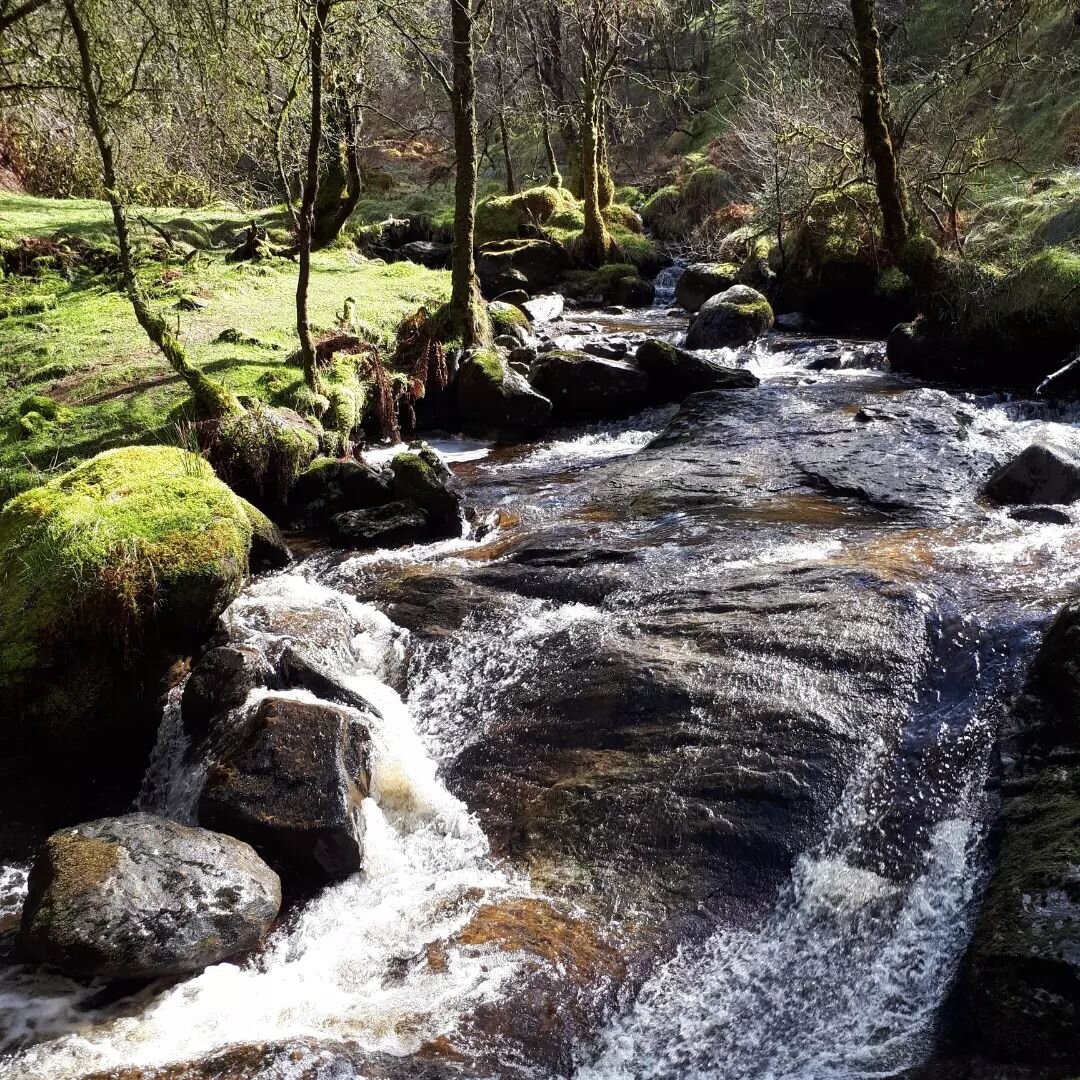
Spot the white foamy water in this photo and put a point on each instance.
(352, 965)
(449, 449)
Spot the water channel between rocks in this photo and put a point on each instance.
(683, 772)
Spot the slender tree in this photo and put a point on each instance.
(875, 115)
(210, 397)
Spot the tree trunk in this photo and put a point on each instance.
(334, 207)
(210, 397)
(306, 229)
(504, 134)
(874, 102)
(465, 310)
(595, 240)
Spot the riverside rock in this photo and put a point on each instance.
(141, 897)
(584, 387)
(293, 789)
(489, 393)
(1047, 471)
(702, 281)
(729, 319)
(674, 373)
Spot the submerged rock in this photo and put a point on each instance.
(675, 373)
(584, 387)
(490, 394)
(142, 897)
(1044, 472)
(731, 318)
(702, 281)
(293, 789)
(391, 525)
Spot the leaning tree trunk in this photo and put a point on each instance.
(874, 105)
(595, 240)
(306, 231)
(465, 309)
(508, 161)
(210, 397)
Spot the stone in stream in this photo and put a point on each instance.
(141, 897)
(329, 486)
(220, 681)
(1047, 471)
(293, 788)
(632, 292)
(584, 387)
(542, 309)
(490, 394)
(392, 525)
(731, 318)
(675, 373)
(421, 477)
(702, 281)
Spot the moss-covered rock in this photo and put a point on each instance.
(731, 318)
(583, 387)
(633, 291)
(421, 478)
(541, 262)
(491, 396)
(505, 318)
(105, 573)
(503, 217)
(701, 281)
(674, 373)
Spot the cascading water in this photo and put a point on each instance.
(730, 694)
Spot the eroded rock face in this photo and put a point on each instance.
(1021, 983)
(1045, 472)
(734, 317)
(293, 789)
(585, 387)
(141, 897)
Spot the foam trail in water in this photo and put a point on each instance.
(352, 964)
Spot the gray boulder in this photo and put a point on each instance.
(1046, 472)
(329, 486)
(632, 292)
(141, 897)
(293, 788)
(729, 319)
(701, 281)
(391, 525)
(584, 387)
(427, 253)
(675, 373)
(541, 309)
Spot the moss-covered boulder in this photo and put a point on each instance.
(421, 477)
(541, 262)
(730, 319)
(675, 373)
(330, 486)
(633, 291)
(490, 395)
(139, 897)
(106, 573)
(702, 281)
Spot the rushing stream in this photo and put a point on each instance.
(683, 772)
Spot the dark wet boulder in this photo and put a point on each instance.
(1041, 515)
(702, 281)
(490, 394)
(329, 486)
(729, 319)
(391, 525)
(542, 262)
(916, 348)
(632, 292)
(293, 788)
(141, 897)
(422, 478)
(1046, 472)
(675, 373)
(542, 309)
(1021, 979)
(584, 387)
(221, 680)
(427, 253)
(1063, 384)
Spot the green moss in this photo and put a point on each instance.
(42, 404)
(110, 546)
(504, 317)
(502, 217)
(602, 282)
(490, 363)
(27, 305)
